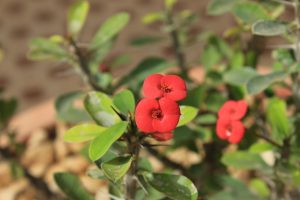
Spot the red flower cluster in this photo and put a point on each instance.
(229, 126)
(158, 114)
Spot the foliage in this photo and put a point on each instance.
(268, 152)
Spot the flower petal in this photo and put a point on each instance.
(145, 107)
(176, 94)
(144, 123)
(221, 128)
(238, 131)
(173, 81)
(163, 136)
(235, 110)
(143, 114)
(169, 107)
(227, 109)
(166, 124)
(151, 86)
(177, 85)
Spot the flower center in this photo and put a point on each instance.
(231, 110)
(165, 88)
(156, 114)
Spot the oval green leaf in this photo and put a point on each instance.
(261, 82)
(125, 101)
(100, 145)
(173, 186)
(219, 7)
(188, 113)
(66, 109)
(42, 48)
(99, 106)
(250, 12)
(83, 132)
(269, 28)
(278, 119)
(239, 77)
(109, 29)
(77, 15)
(71, 186)
(116, 168)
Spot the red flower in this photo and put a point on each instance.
(157, 115)
(163, 136)
(170, 86)
(233, 131)
(234, 110)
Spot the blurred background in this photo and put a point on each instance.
(33, 82)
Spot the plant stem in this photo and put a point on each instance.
(83, 64)
(269, 140)
(134, 146)
(181, 60)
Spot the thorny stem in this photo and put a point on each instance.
(181, 60)
(83, 64)
(269, 140)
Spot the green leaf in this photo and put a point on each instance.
(239, 77)
(260, 82)
(234, 189)
(260, 147)
(278, 119)
(66, 109)
(210, 56)
(144, 69)
(195, 97)
(109, 29)
(96, 174)
(71, 186)
(250, 12)
(99, 106)
(83, 132)
(125, 101)
(260, 188)
(77, 15)
(219, 7)
(116, 168)
(170, 3)
(145, 40)
(173, 186)
(98, 55)
(7, 110)
(269, 28)
(188, 113)
(42, 48)
(244, 160)
(207, 119)
(153, 17)
(100, 145)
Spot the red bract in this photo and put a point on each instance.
(233, 131)
(234, 110)
(157, 115)
(169, 86)
(162, 136)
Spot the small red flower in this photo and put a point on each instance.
(233, 131)
(170, 86)
(234, 110)
(162, 136)
(153, 115)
